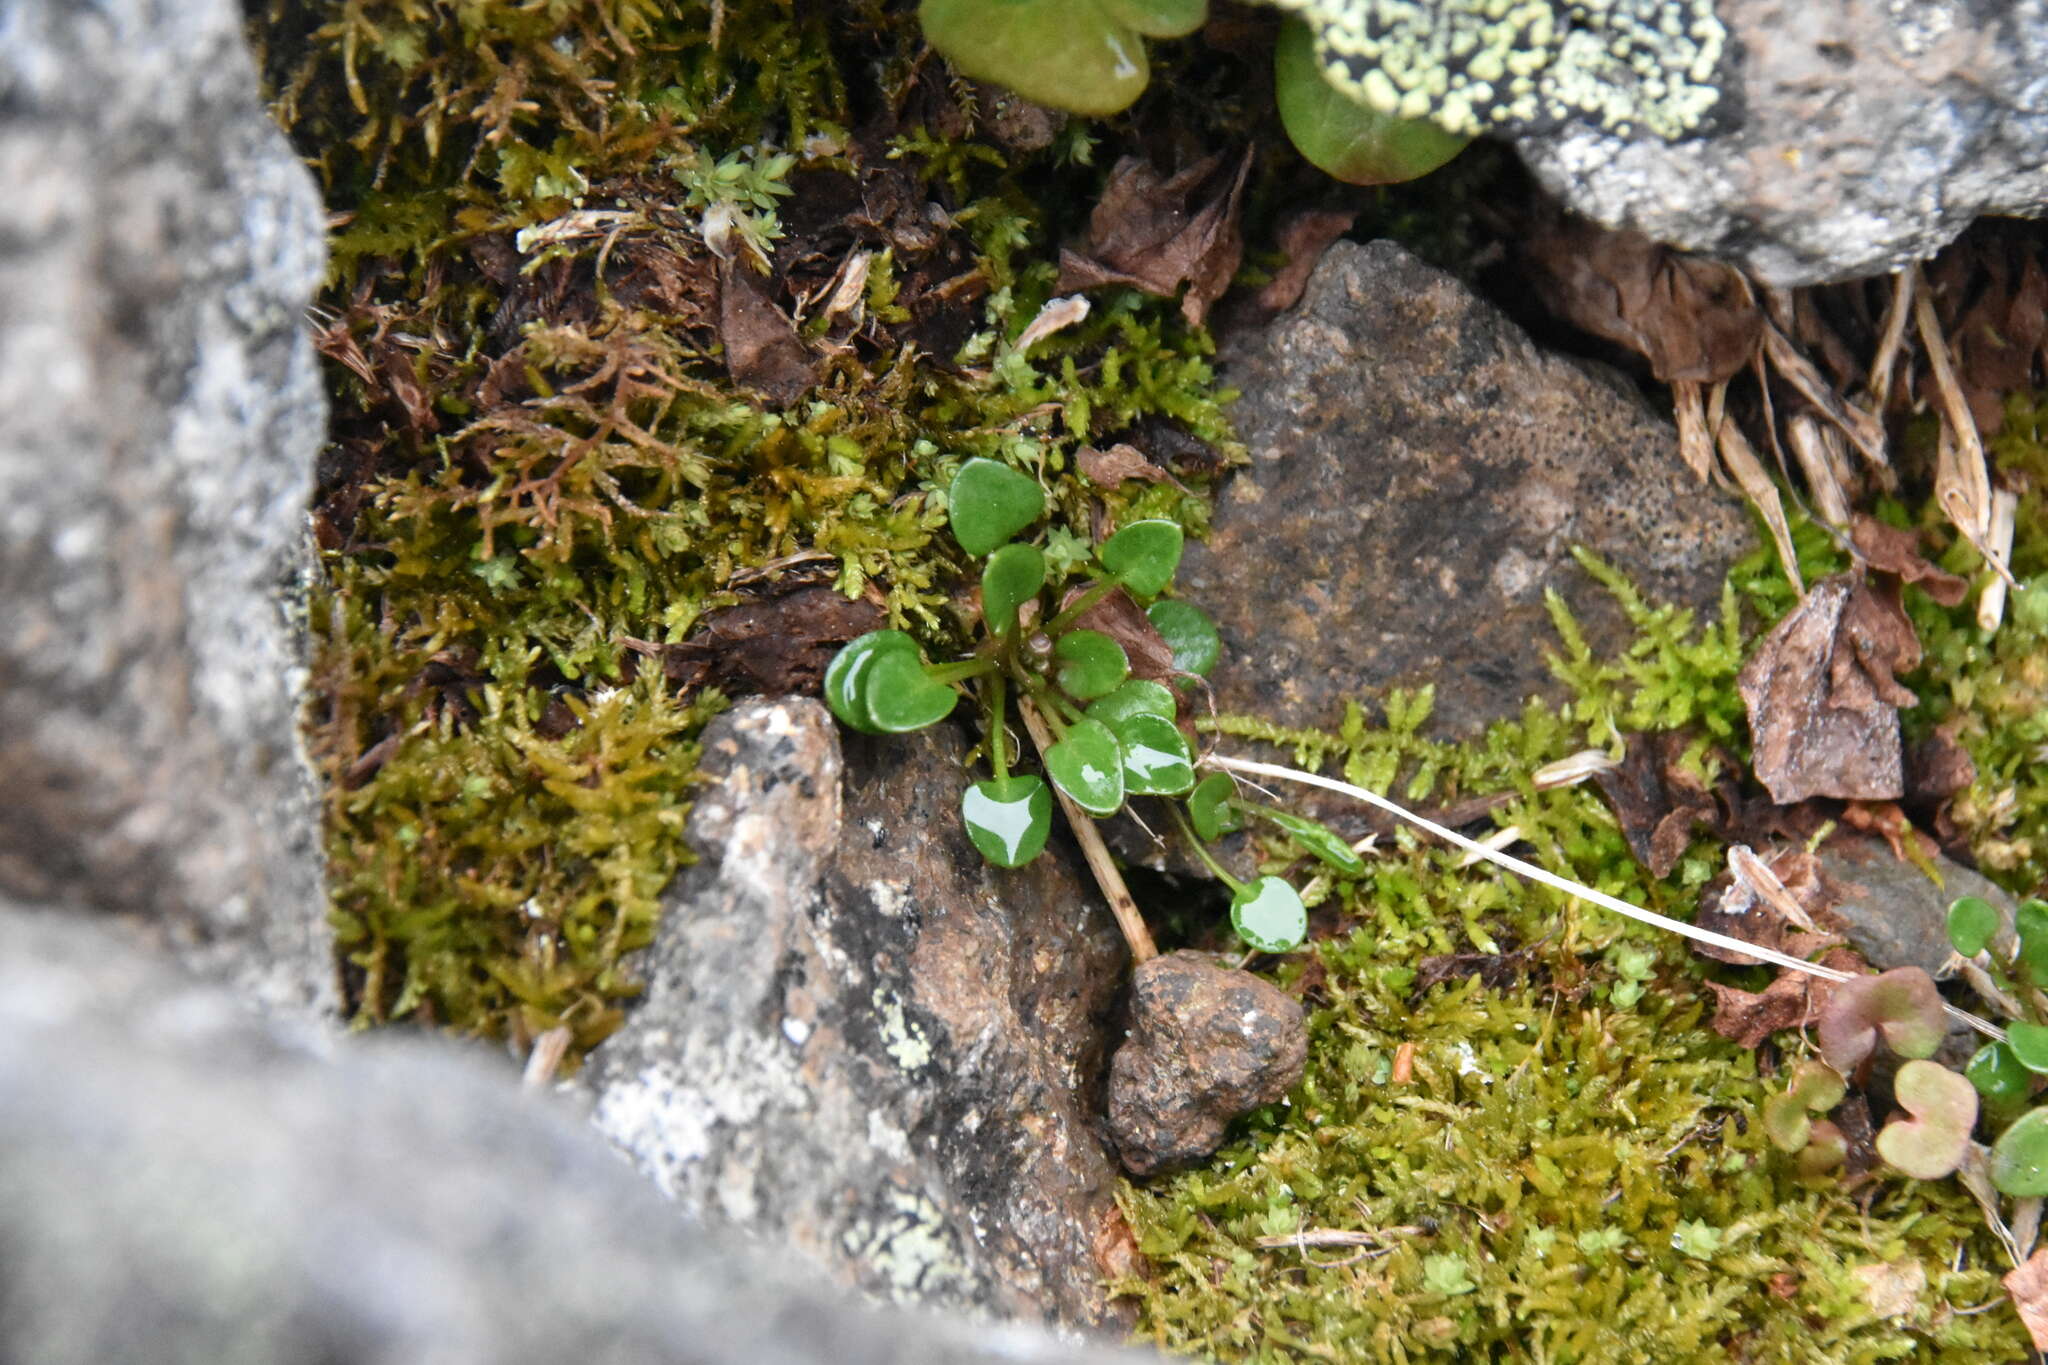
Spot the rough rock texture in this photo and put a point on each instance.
(1873, 131)
(1419, 473)
(160, 411)
(179, 1184)
(1895, 915)
(1206, 1044)
(861, 1041)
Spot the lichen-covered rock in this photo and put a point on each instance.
(183, 1185)
(1206, 1043)
(864, 1043)
(160, 410)
(1871, 133)
(1419, 474)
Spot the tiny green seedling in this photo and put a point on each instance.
(1054, 649)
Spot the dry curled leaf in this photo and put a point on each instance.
(1896, 551)
(774, 645)
(1786, 905)
(1108, 468)
(1156, 234)
(1792, 1000)
(1304, 238)
(1655, 799)
(762, 348)
(1822, 697)
(2028, 1287)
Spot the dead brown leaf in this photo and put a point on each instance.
(1937, 768)
(774, 645)
(2028, 1286)
(1303, 238)
(1793, 1000)
(1656, 800)
(1108, 468)
(1156, 234)
(762, 348)
(1730, 905)
(1822, 699)
(1495, 971)
(1896, 551)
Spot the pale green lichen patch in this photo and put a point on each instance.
(1476, 66)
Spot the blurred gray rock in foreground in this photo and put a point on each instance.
(1871, 133)
(1419, 473)
(160, 411)
(182, 1185)
(861, 1041)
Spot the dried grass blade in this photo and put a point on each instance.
(1755, 482)
(1864, 431)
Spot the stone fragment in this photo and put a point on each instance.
(1420, 472)
(862, 1042)
(1870, 133)
(160, 411)
(1893, 912)
(1206, 1044)
(181, 1184)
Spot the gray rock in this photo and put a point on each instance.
(160, 410)
(1872, 132)
(1206, 1044)
(1419, 473)
(1894, 914)
(184, 1186)
(862, 1042)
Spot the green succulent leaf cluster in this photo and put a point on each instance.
(1054, 645)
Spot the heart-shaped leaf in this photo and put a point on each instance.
(989, 503)
(1901, 1004)
(1971, 923)
(1319, 839)
(1143, 555)
(2000, 1077)
(1159, 18)
(2019, 1159)
(1012, 577)
(1076, 57)
(1008, 819)
(1268, 915)
(846, 675)
(1812, 1088)
(1088, 765)
(1943, 1105)
(900, 696)
(1090, 664)
(2030, 922)
(1133, 697)
(1156, 757)
(2029, 1046)
(1342, 137)
(1826, 1148)
(1189, 633)
(1209, 808)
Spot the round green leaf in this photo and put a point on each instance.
(1320, 840)
(1156, 757)
(1133, 697)
(2029, 1044)
(1012, 577)
(900, 696)
(1348, 140)
(1071, 56)
(845, 676)
(1088, 765)
(1090, 664)
(1159, 18)
(1209, 806)
(2030, 922)
(1189, 633)
(1143, 555)
(1999, 1076)
(1268, 915)
(1008, 820)
(2019, 1159)
(990, 502)
(1971, 923)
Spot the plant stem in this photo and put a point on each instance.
(998, 757)
(961, 671)
(1136, 935)
(1202, 851)
(1081, 604)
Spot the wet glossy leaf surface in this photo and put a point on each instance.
(1268, 915)
(899, 696)
(846, 675)
(1008, 820)
(2029, 1045)
(1132, 697)
(1088, 765)
(1189, 633)
(1971, 923)
(1156, 757)
(1143, 555)
(1159, 18)
(1341, 137)
(1319, 839)
(1012, 577)
(1209, 807)
(1074, 57)
(2000, 1077)
(989, 503)
(2019, 1159)
(1090, 664)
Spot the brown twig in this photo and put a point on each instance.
(1094, 850)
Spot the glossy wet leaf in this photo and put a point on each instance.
(1943, 1108)
(1156, 757)
(1008, 819)
(1073, 56)
(2000, 1077)
(1319, 839)
(2019, 1159)
(845, 676)
(1143, 555)
(1159, 18)
(1971, 923)
(1346, 139)
(1268, 915)
(1012, 577)
(900, 696)
(1088, 765)
(1209, 808)
(1090, 664)
(990, 502)
(2029, 1044)
(2030, 922)
(1132, 697)
(1189, 633)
